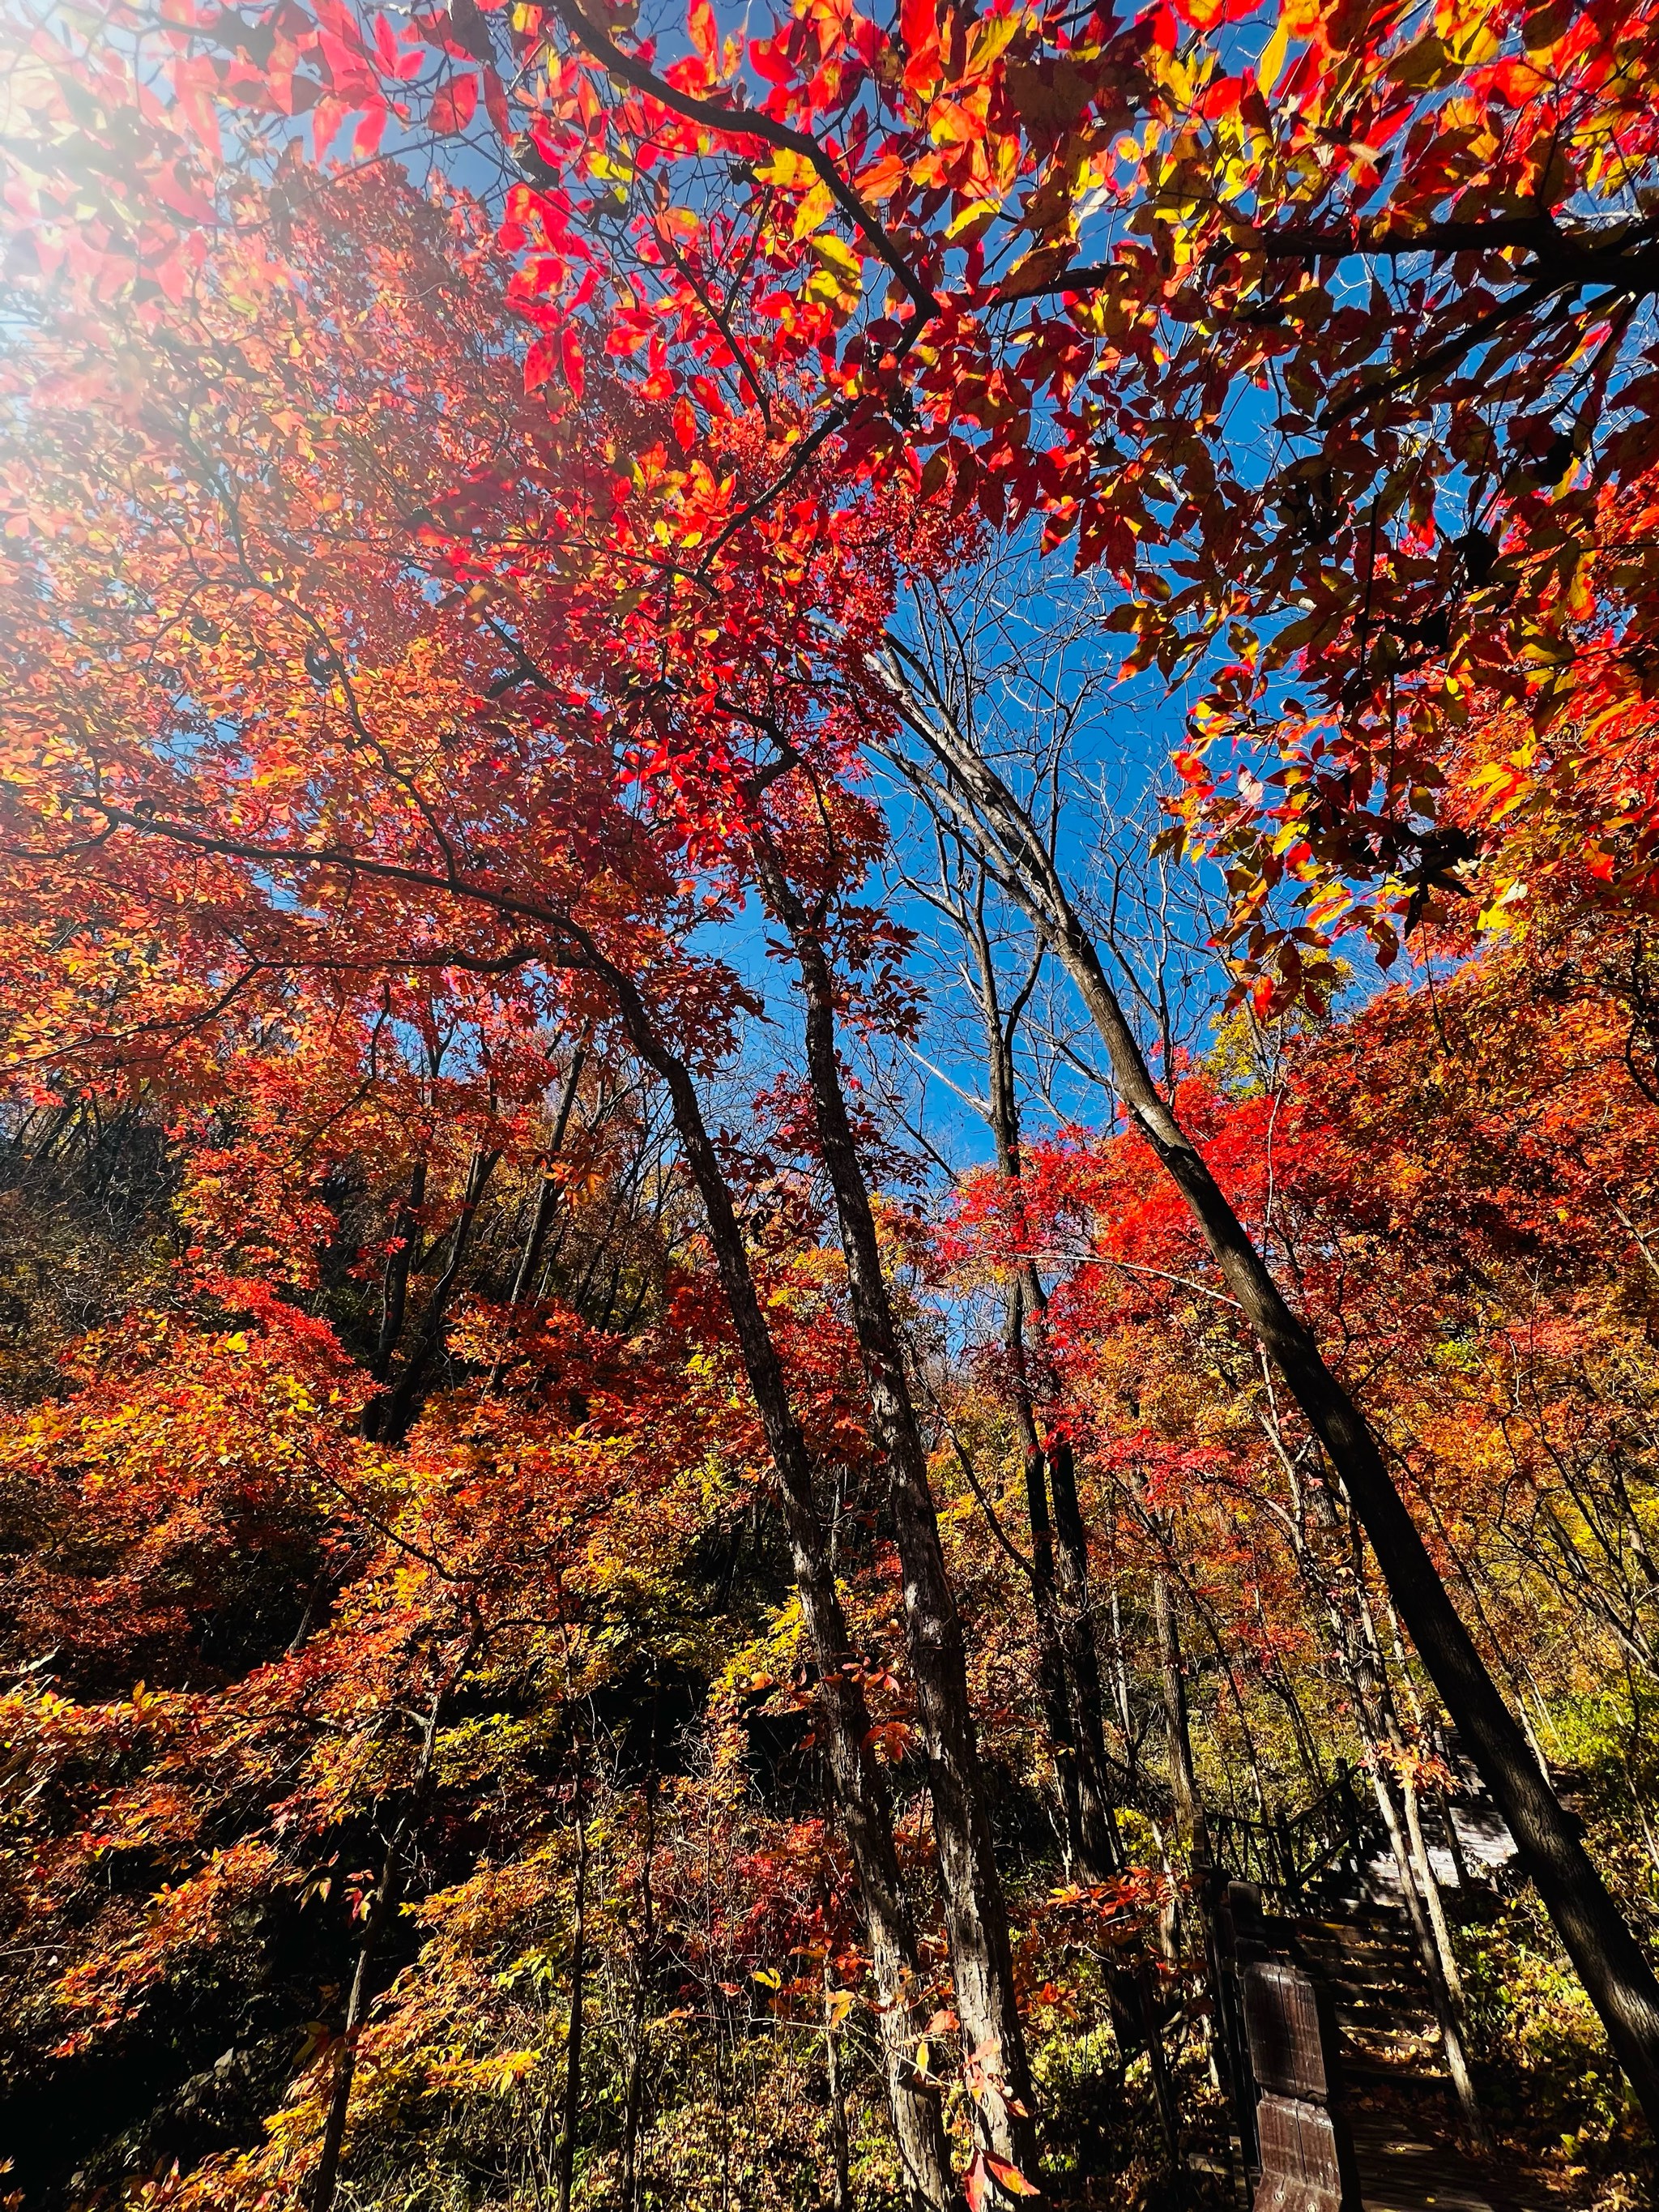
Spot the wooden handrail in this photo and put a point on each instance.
(1289, 1853)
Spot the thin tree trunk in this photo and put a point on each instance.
(634, 2095)
(1432, 1899)
(547, 1197)
(1064, 1609)
(633, 2103)
(572, 2046)
(1190, 1823)
(976, 1915)
(1615, 1971)
(547, 1205)
(387, 1895)
(1051, 1653)
(1353, 1634)
(394, 1280)
(840, 2150)
(1077, 1622)
(1611, 1963)
(1382, 1696)
(1447, 1809)
(858, 1783)
(388, 1417)
(1445, 2012)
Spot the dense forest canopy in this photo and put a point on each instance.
(827, 856)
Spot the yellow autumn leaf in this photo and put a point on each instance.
(839, 256)
(990, 40)
(1272, 56)
(975, 211)
(812, 210)
(790, 171)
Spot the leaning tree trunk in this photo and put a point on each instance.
(388, 1892)
(859, 1786)
(572, 2042)
(1061, 1589)
(1615, 1971)
(981, 1954)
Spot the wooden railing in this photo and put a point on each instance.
(1288, 1854)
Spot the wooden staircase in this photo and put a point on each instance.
(1324, 1882)
(1366, 1957)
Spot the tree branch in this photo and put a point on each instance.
(747, 122)
(1627, 260)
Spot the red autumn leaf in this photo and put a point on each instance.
(701, 31)
(572, 361)
(1208, 15)
(454, 105)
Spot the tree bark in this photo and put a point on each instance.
(1615, 1971)
(388, 1417)
(572, 2045)
(975, 1913)
(387, 1893)
(860, 1787)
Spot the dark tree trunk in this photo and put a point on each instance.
(388, 1417)
(1076, 1626)
(1052, 1683)
(975, 1912)
(394, 1283)
(326, 2179)
(634, 2094)
(573, 2047)
(842, 2199)
(1615, 1971)
(547, 1196)
(859, 1786)
(387, 1895)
